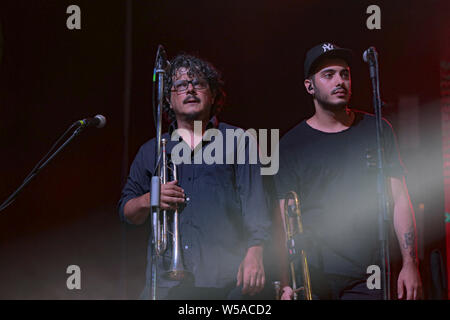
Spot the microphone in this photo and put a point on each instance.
(370, 55)
(98, 121)
(161, 59)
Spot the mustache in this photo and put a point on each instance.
(337, 89)
(196, 99)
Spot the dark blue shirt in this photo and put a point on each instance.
(227, 212)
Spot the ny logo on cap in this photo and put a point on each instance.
(327, 46)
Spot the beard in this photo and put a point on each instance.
(326, 104)
(192, 116)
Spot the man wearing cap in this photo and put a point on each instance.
(324, 159)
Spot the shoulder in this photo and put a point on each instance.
(367, 126)
(148, 148)
(296, 134)
(368, 119)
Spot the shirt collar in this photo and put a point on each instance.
(212, 123)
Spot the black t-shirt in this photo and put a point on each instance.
(337, 190)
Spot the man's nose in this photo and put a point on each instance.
(340, 81)
(190, 87)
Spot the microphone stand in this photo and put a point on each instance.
(41, 165)
(383, 206)
(158, 74)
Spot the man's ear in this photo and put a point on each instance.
(309, 85)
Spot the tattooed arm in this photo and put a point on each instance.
(405, 228)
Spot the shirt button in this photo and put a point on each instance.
(186, 247)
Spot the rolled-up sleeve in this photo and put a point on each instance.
(137, 182)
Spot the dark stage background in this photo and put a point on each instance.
(51, 76)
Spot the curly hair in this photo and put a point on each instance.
(196, 68)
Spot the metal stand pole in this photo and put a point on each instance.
(383, 206)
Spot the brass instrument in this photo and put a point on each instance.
(161, 231)
(293, 225)
(176, 270)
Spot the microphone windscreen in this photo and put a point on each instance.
(102, 121)
(365, 58)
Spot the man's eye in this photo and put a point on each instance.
(180, 85)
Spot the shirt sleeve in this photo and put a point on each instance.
(286, 179)
(393, 164)
(138, 181)
(249, 183)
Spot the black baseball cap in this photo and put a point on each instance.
(325, 50)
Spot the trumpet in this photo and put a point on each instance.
(293, 226)
(162, 232)
(176, 270)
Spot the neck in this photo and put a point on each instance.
(192, 132)
(189, 125)
(331, 120)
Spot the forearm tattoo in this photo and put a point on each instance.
(409, 243)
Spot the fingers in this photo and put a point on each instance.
(253, 281)
(262, 283)
(171, 189)
(251, 271)
(239, 276)
(247, 283)
(412, 291)
(171, 195)
(409, 293)
(169, 204)
(171, 192)
(286, 296)
(288, 293)
(400, 289)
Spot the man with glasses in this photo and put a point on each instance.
(226, 223)
(327, 160)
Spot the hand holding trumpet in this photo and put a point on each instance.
(171, 195)
(136, 210)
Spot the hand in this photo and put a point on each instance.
(251, 272)
(409, 278)
(171, 195)
(288, 293)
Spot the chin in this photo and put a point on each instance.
(335, 106)
(192, 116)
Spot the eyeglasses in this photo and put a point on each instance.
(181, 86)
